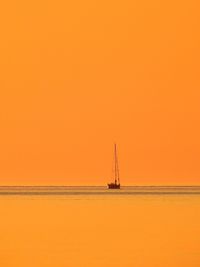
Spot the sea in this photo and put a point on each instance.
(62, 226)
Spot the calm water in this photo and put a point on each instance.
(91, 226)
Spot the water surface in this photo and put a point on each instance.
(93, 226)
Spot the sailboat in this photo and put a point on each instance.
(116, 183)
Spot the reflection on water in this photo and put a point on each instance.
(92, 226)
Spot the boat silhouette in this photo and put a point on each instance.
(116, 183)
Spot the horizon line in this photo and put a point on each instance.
(133, 185)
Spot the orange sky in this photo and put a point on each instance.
(78, 75)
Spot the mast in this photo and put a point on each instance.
(116, 167)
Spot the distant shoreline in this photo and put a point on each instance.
(98, 190)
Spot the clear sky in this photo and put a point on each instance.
(77, 76)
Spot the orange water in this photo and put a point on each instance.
(100, 230)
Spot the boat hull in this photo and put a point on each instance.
(113, 186)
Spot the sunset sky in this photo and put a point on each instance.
(77, 76)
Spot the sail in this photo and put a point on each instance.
(116, 167)
(116, 184)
